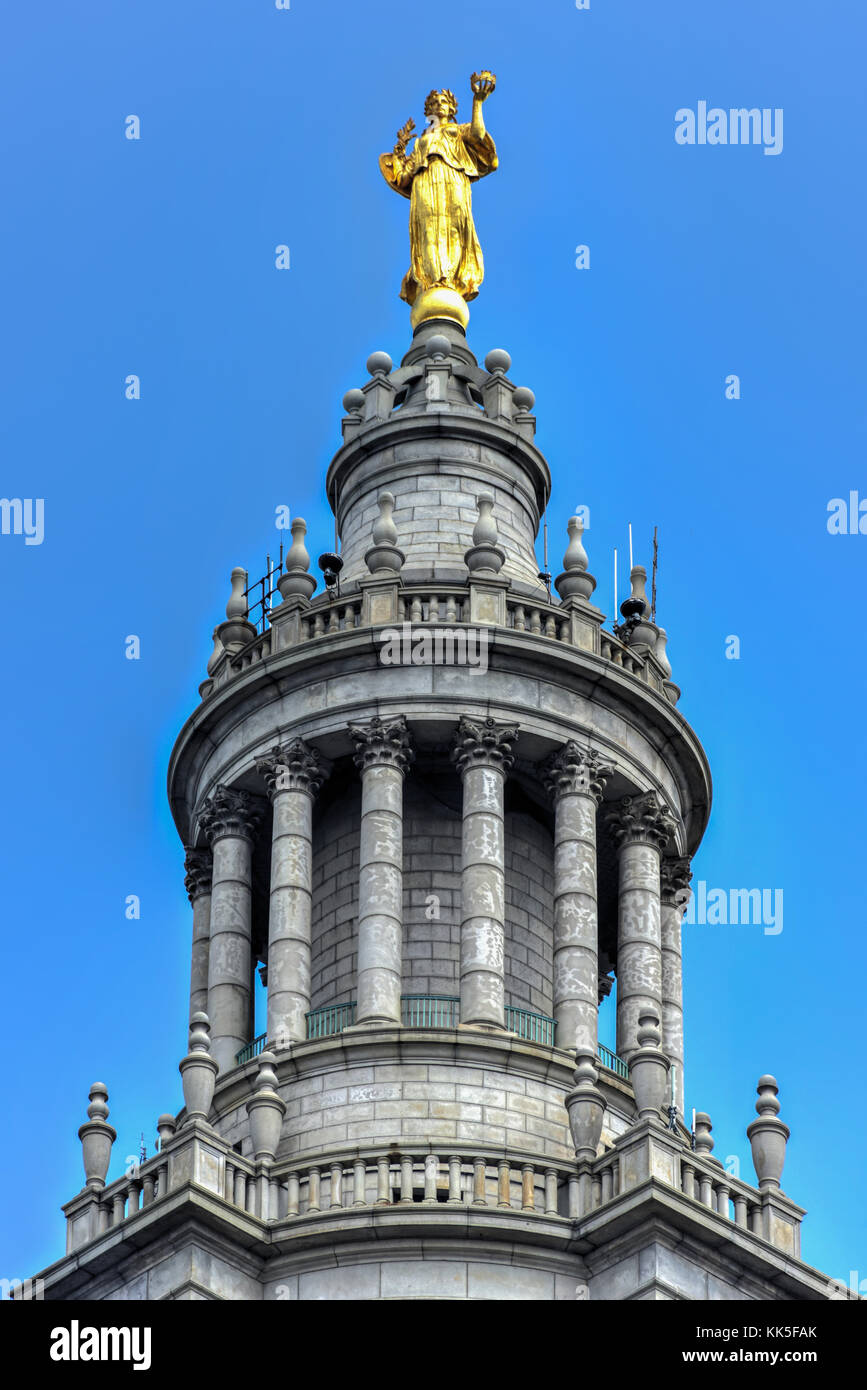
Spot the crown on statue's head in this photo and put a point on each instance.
(435, 100)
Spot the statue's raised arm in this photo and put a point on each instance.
(446, 264)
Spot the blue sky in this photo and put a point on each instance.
(156, 257)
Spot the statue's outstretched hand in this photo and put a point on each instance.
(482, 84)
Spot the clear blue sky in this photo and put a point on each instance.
(156, 257)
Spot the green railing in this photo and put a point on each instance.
(324, 1023)
(251, 1050)
(536, 1028)
(614, 1063)
(429, 1010)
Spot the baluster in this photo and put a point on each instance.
(273, 1200)
(454, 1178)
(535, 620)
(318, 625)
(405, 1179)
(117, 1206)
(451, 609)
(550, 626)
(336, 1189)
(334, 619)
(314, 1188)
(293, 1195)
(431, 1173)
(565, 631)
(756, 1219)
(383, 1186)
(584, 1193)
(617, 656)
(528, 1187)
(504, 1184)
(740, 1211)
(132, 1202)
(359, 1183)
(254, 1196)
(348, 617)
(480, 1195)
(551, 1207)
(148, 1189)
(706, 1190)
(722, 1200)
(433, 611)
(574, 1197)
(415, 609)
(240, 1188)
(401, 610)
(597, 1191)
(607, 1184)
(687, 1178)
(103, 1218)
(163, 1180)
(520, 623)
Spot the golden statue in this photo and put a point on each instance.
(446, 265)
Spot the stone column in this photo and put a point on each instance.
(641, 826)
(197, 882)
(674, 896)
(230, 820)
(483, 755)
(383, 756)
(293, 773)
(575, 778)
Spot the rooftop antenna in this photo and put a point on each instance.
(614, 619)
(544, 574)
(630, 547)
(142, 1150)
(653, 581)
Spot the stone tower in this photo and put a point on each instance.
(441, 811)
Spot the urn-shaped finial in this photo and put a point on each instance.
(661, 654)
(166, 1126)
(702, 1130)
(237, 629)
(648, 1068)
(640, 631)
(575, 581)
(217, 651)
(265, 1109)
(586, 1107)
(485, 555)
(295, 579)
(198, 1070)
(768, 1135)
(96, 1137)
(383, 557)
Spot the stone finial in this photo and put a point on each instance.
(575, 581)
(199, 866)
(97, 1137)
(438, 345)
(702, 1131)
(498, 361)
(485, 556)
(382, 742)
(638, 630)
(293, 766)
(768, 1135)
(166, 1126)
(573, 770)
(643, 819)
(523, 399)
(353, 401)
(229, 811)
(266, 1110)
(484, 743)
(384, 557)
(585, 1106)
(379, 364)
(672, 691)
(648, 1067)
(217, 652)
(237, 629)
(295, 580)
(198, 1070)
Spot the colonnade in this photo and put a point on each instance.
(651, 893)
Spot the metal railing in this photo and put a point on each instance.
(251, 1050)
(429, 1010)
(324, 1023)
(535, 1028)
(614, 1063)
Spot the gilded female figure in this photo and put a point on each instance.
(446, 265)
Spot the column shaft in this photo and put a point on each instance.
(198, 885)
(675, 878)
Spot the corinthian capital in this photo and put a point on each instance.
(382, 743)
(293, 766)
(199, 865)
(230, 812)
(573, 769)
(484, 743)
(674, 879)
(642, 820)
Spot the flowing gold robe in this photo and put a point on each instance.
(436, 177)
